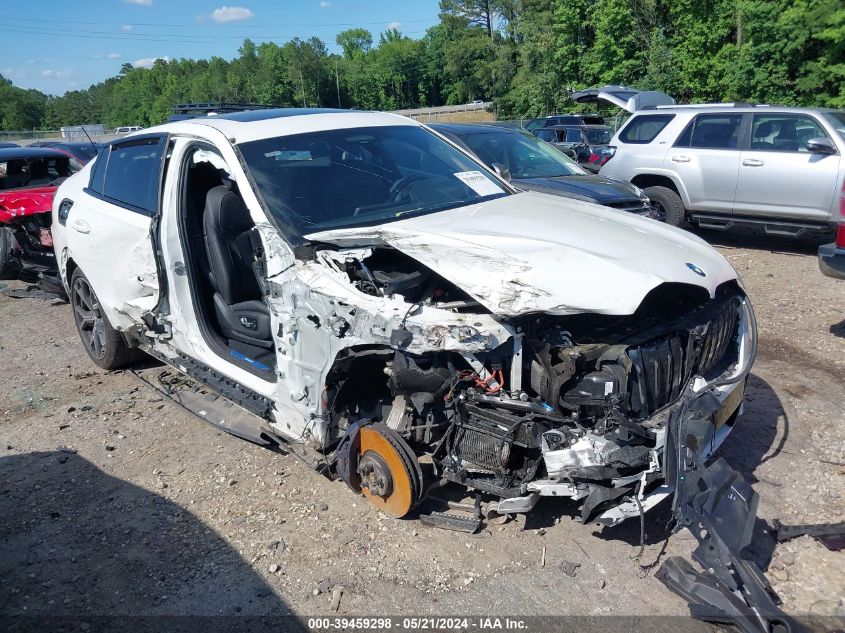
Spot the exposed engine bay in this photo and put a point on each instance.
(571, 406)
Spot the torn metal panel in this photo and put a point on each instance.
(538, 258)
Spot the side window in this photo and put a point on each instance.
(547, 135)
(98, 171)
(712, 131)
(133, 174)
(644, 128)
(573, 136)
(784, 132)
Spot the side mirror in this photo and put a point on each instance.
(502, 172)
(821, 145)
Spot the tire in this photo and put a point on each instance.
(7, 243)
(670, 204)
(104, 345)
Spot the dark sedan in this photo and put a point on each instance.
(534, 164)
(81, 153)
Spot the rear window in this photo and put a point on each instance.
(644, 128)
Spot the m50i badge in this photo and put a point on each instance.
(696, 269)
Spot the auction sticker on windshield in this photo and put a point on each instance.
(479, 183)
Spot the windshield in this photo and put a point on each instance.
(598, 135)
(362, 176)
(525, 156)
(838, 121)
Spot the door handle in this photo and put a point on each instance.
(752, 162)
(680, 159)
(80, 226)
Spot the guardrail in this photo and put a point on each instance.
(453, 109)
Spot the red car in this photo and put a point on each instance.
(28, 180)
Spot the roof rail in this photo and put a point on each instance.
(693, 106)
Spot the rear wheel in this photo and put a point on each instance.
(104, 344)
(668, 205)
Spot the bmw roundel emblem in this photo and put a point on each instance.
(696, 269)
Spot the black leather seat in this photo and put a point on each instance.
(241, 313)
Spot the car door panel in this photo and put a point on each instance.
(778, 177)
(706, 158)
(110, 239)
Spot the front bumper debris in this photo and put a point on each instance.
(719, 508)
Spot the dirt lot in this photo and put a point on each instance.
(115, 501)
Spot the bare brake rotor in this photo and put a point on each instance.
(390, 475)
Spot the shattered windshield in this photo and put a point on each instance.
(362, 176)
(524, 156)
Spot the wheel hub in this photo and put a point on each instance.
(375, 474)
(390, 476)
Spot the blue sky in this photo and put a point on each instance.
(61, 45)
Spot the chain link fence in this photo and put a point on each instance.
(28, 137)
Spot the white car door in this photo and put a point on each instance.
(705, 157)
(109, 228)
(779, 177)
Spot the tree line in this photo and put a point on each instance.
(524, 55)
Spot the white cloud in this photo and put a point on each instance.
(126, 28)
(325, 4)
(114, 55)
(231, 14)
(146, 3)
(393, 25)
(147, 62)
(57, 74)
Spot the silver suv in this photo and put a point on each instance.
(721, 165)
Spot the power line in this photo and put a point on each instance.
(384, 22)
(151, 37)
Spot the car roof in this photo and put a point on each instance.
(19, 153)
(739, 108)
(242, 127)
(75, 144)
(471, 128)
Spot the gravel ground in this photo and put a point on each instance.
(115, 501)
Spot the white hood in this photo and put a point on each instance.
(532, 252)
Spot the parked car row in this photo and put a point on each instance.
(720, 166)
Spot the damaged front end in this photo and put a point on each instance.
(615, 412)
(26, 246)
(571, 406)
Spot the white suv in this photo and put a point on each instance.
(717, 166)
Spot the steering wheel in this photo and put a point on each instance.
(402, 184)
